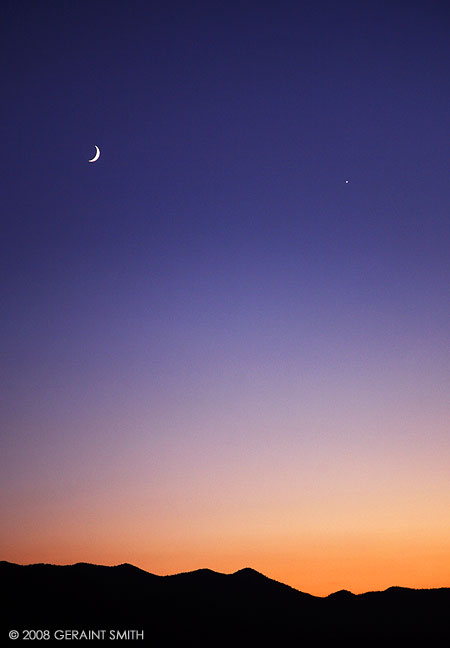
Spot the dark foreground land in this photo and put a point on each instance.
(206, 608)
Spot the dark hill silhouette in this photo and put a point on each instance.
(209, 608)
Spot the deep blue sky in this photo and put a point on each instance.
(213, 270)
(227, 132)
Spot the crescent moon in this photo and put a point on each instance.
(96, 156)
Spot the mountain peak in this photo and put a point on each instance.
(342, 594)
(248, 571)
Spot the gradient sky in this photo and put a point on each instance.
(216, 352)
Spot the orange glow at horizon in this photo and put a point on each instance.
(315, 566)
(345, 514)
(360, 546)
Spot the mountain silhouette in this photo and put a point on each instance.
(205, 607)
